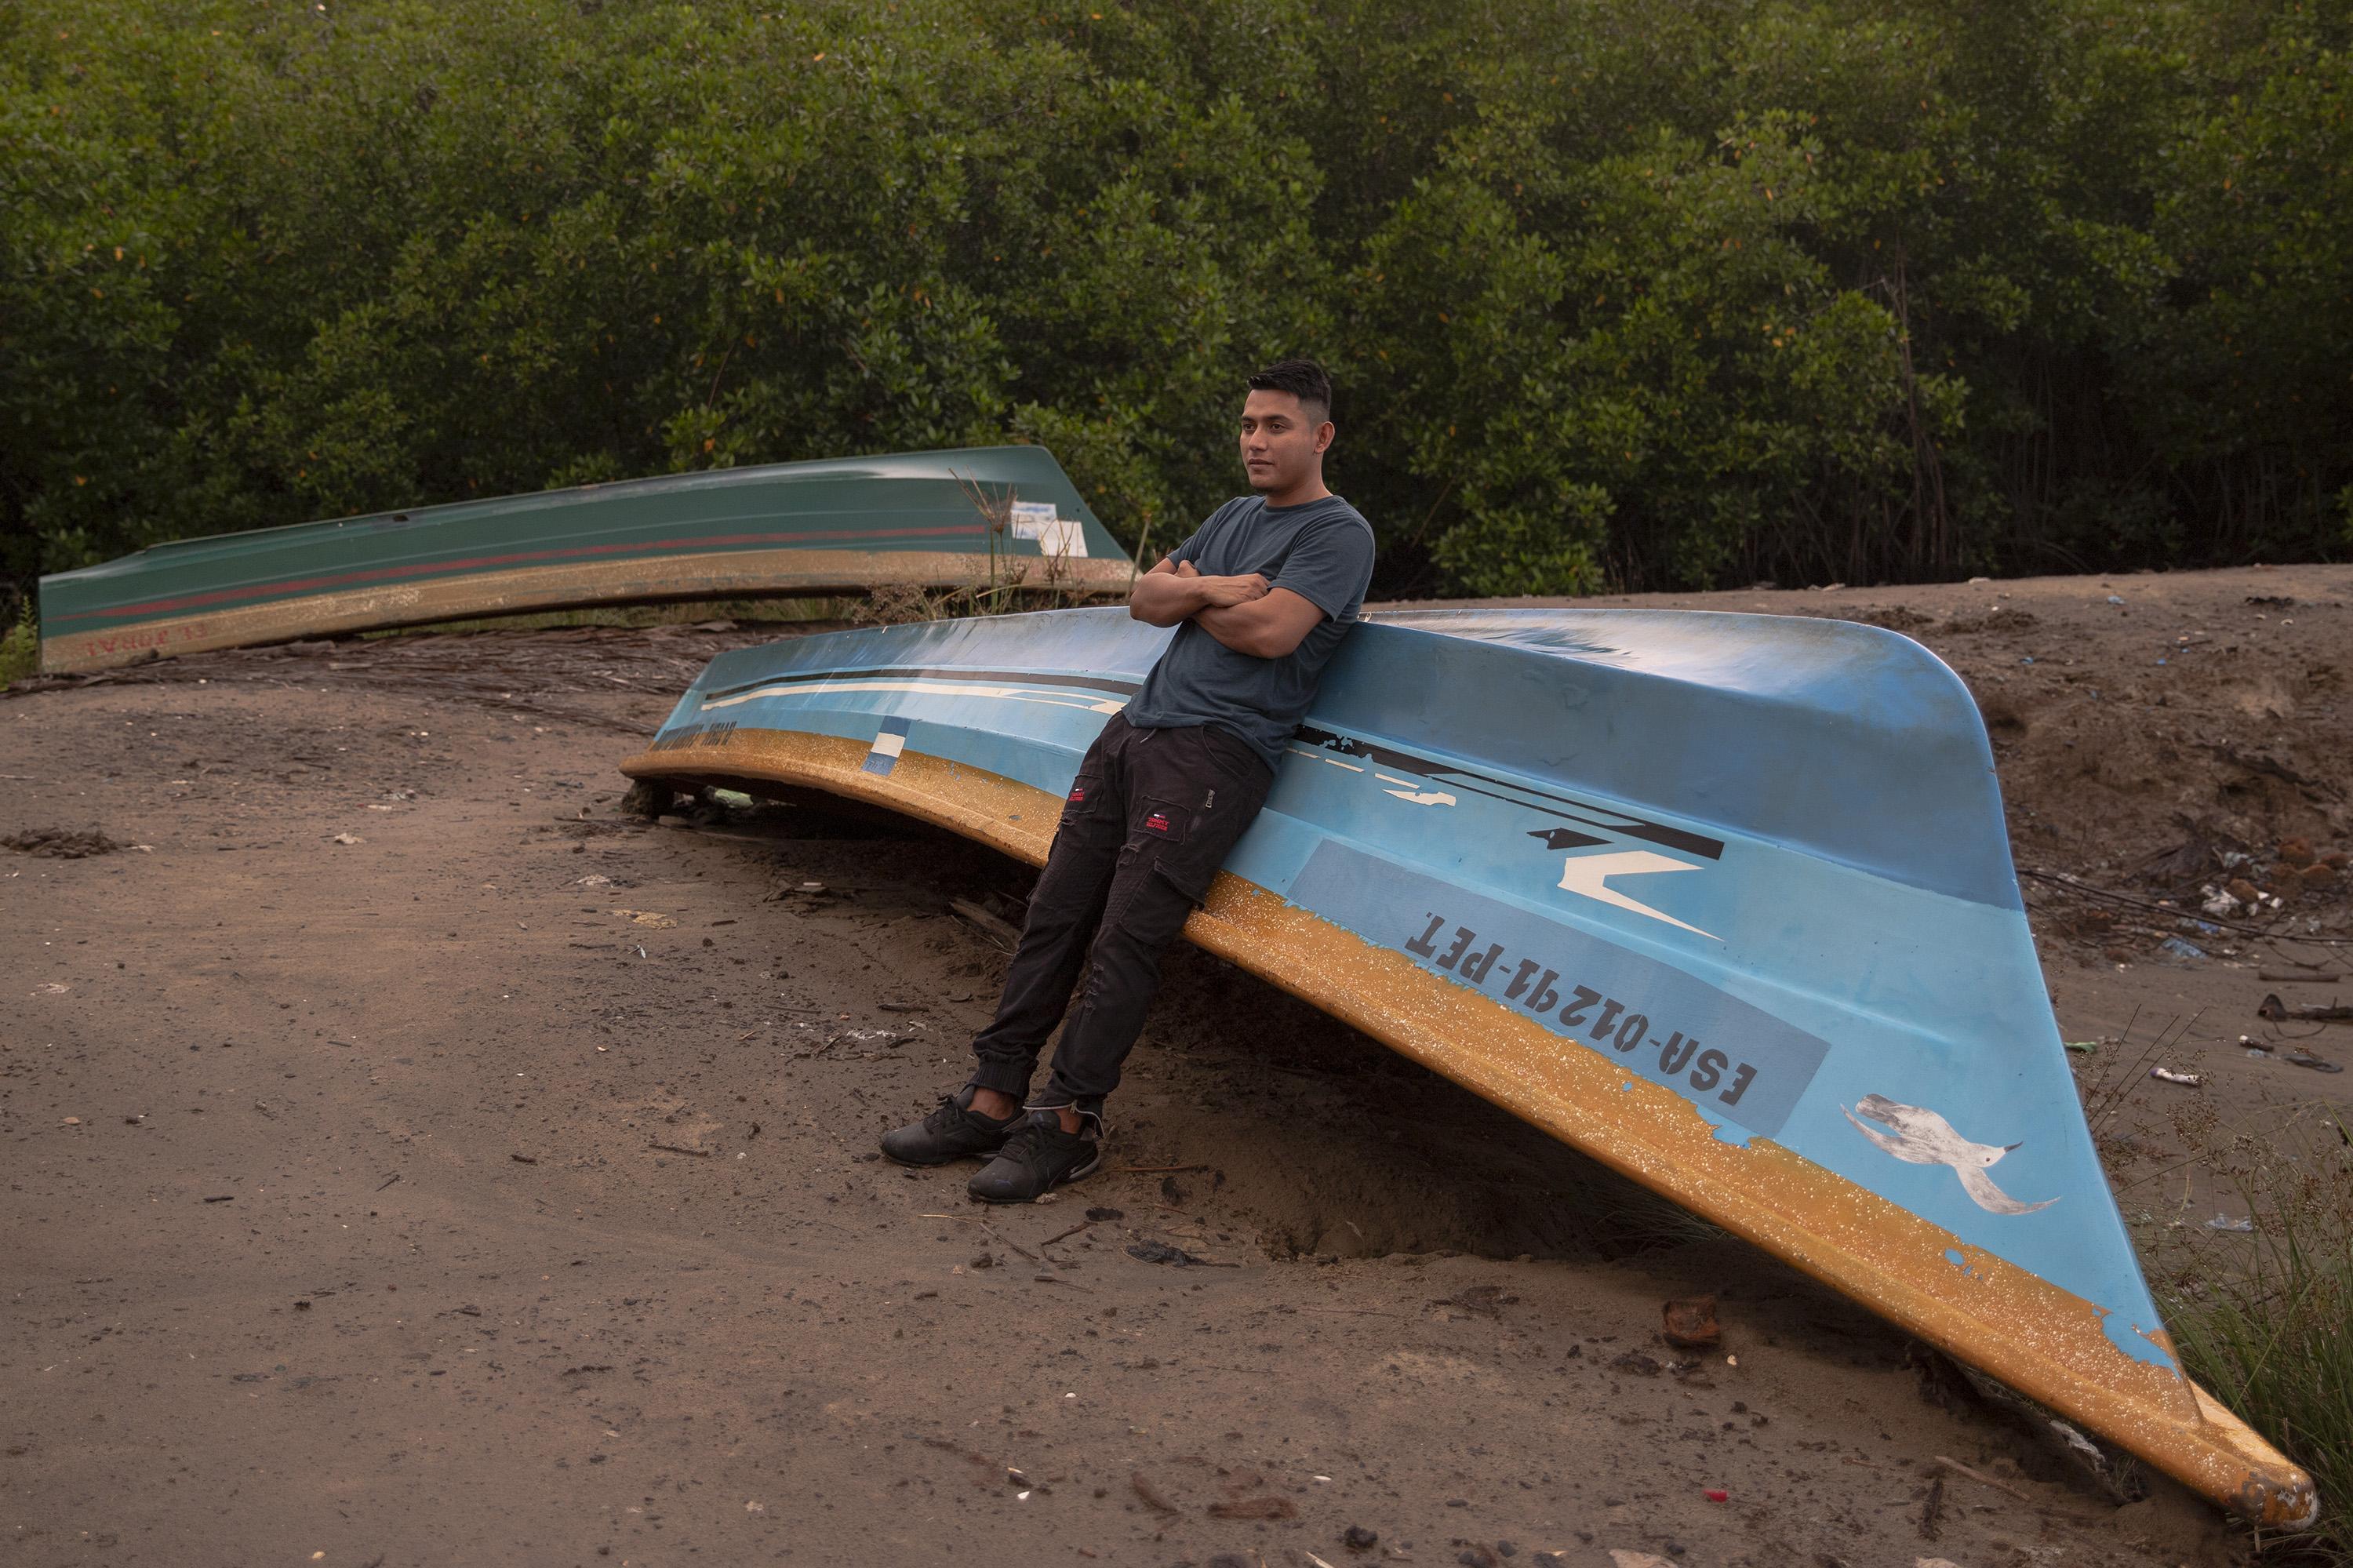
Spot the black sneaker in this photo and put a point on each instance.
(954, 1131)
(1038, 1157)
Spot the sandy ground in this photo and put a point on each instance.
(411, 1159)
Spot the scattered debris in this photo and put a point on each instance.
(525, 1159)
(1932, 1509)
(1690, 1322)
(2224, 1223)
(1635, 1362)
(61, 844)
(1267, 1507)
(2083, 1047)
(647, 800)
(1099, 1215)
(646, 918)
(2302, 1058)
(1161, 1252)
(873, 1039)
(2277, 1012)
(999, 931)
(2187, 1080)
(1480, 1300)
(347, 839)
(1356, 1537)
(1150, 1498)
(681, 1149)
(2181, 950)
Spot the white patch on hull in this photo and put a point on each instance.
(1920, 1136)
(1588, 876)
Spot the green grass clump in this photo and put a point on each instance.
(2264, 1319)
(20, 647)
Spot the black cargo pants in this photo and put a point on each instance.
(1147, 822)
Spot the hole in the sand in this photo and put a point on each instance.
(1332, 1144)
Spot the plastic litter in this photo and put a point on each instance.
(2224, 1223)
(2181, 950)
(2187, 1080)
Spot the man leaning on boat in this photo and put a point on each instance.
(1260, 595)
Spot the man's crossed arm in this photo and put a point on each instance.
(1241, 613)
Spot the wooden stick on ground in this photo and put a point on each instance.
(1983, 1478)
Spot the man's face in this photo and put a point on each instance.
(1280, 446)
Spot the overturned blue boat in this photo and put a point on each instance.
(1724, 901)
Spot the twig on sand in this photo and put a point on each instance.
(681, 1149)
(1152, 1498)
(999, 1235)
(1983, 1478)
(1157, 1169)
(997, 929)
(1016, 1245)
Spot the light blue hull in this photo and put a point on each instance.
(1757, 863)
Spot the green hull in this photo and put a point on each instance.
(839, 525)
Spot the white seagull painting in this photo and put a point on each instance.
(1923, 1138)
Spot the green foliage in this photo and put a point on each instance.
(20, 648)
(2266, 1320)
(1615, 293)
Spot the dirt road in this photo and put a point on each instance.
(412, 1161)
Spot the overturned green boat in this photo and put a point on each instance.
(982, 516)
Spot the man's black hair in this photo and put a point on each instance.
(1303, 380)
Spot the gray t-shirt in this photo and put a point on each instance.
(1321, 551)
